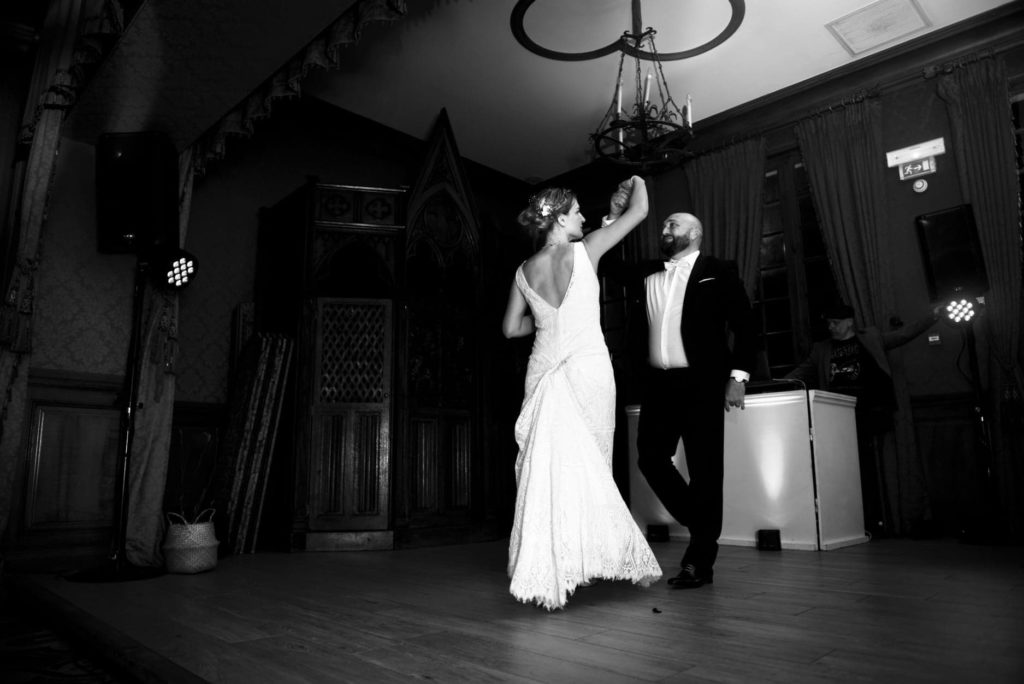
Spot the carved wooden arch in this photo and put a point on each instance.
(441, 210)
(348, 265)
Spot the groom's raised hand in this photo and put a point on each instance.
(620, 199)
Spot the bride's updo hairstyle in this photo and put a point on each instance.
(544, 207)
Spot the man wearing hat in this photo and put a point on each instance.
(853, 361)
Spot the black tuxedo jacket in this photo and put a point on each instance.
(717, 326)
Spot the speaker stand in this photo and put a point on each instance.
(117, 568)
(982, 525)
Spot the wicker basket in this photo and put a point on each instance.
(190, 547)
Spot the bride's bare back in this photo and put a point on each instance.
(549, 271)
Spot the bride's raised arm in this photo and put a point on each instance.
(601, 240)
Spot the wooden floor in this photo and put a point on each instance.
(888, 611)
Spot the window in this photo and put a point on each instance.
(795, 281)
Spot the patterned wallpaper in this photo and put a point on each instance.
(83, 302)
(83, 298)
(222, 236)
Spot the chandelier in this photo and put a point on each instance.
(652, 130)
(647, 133)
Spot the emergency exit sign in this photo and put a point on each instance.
(917, 167)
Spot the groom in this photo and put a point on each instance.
(695, 304)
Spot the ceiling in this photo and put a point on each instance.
(182, 64)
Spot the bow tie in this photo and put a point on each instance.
(671, 266)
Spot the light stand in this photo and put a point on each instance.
(981, 527)
(955, 268)
(180, 271)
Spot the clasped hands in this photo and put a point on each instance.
(620, 198)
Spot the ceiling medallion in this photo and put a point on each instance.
(646, 134)
(739, 8)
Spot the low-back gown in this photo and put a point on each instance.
(571, 525)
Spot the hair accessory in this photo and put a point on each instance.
(545, 208)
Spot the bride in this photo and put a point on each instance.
(571, 526)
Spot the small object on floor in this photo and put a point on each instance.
(655, 610)
(769, 540)
(690, 578)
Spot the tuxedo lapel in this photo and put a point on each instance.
(696, 274)
(699, 267)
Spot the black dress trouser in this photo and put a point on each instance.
(687, 404)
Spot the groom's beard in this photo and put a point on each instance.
(674, 244)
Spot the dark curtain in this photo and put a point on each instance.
(844, 156)
(978, 105)
(726, 189)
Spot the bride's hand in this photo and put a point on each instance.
(620, 198)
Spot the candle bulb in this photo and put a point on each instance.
(618, 94)
(689, 111)
(647, 90)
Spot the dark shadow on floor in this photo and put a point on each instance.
(33, 651)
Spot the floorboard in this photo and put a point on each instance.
(892, 610)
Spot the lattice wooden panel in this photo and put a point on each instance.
(353, 352)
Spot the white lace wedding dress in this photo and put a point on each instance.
(571, 525)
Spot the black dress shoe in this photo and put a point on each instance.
(691, 578)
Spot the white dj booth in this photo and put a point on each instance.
(790, 465)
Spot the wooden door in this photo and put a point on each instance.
(350, 445)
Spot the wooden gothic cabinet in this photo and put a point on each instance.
(380, 288)
(326, 275)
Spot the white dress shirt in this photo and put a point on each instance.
(665, 292)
